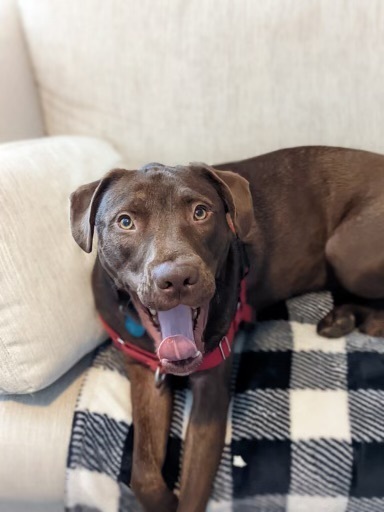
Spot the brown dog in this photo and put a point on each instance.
(168, 240)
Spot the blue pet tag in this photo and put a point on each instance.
(137, 330)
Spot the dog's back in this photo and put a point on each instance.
(301, 195)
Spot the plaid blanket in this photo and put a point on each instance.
(305, 427)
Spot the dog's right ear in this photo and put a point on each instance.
(84, 203)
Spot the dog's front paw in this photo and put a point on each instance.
(161, 502)
(155, 497)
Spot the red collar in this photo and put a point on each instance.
(210, 360)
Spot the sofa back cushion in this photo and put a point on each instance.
(20, 112)
(183, 80)
(47, 315)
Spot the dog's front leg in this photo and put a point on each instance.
(205, 436)
(151, 412)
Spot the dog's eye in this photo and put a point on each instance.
(125, 222)
(200, 212)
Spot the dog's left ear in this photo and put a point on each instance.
(84, 203)
(237, 196)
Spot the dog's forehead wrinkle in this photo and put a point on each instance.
(151, 185)
(160, 195)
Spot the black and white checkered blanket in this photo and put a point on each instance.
(305, 429)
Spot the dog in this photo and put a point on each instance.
(175, 247)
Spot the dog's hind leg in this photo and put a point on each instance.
(356, 254)
(343, 318)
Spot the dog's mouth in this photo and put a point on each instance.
(178, 335)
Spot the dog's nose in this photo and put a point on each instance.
(172, 278)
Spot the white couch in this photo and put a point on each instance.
(171, 81)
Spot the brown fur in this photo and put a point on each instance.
(317, 222)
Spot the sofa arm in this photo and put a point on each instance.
(21, 115)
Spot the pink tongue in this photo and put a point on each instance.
(177, 334)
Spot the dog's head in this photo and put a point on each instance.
(166, 236)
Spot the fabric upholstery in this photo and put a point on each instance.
(20, 112)
(34, 437)
(181, 80)
(47, 315)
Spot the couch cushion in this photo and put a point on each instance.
(21, 116)
(191, 80)
(34, 438)
(47, 315)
